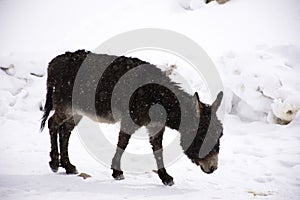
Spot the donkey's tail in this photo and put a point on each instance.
(47, 108)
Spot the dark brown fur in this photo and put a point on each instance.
(62, 72)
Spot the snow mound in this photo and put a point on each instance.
(19, 86)
(264, 83)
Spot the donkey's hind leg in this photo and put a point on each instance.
(64, 136)
(156, 142)
(53, 125)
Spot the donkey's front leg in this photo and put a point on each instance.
(116, 161)
(156, 142)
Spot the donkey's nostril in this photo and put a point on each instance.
(212, 169)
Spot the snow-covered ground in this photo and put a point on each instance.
(256, 48)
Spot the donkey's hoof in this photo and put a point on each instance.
(168, 183)
(118, 175)
(71, 169)
(54, 166)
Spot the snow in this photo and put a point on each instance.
(272, 80)
(256, 48)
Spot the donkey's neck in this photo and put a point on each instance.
(186, 121)
(193, 127)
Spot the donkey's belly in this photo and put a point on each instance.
(94, 117)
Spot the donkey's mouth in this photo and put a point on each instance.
(207, 172)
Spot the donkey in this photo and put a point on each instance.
(201, 119)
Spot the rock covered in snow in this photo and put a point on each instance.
(195, 4)
(284, 111)
(10, 70)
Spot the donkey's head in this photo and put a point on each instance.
(210, 130)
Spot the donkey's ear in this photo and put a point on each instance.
(218, 101)
(196, 96)
(197, 102)
(207, 1)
